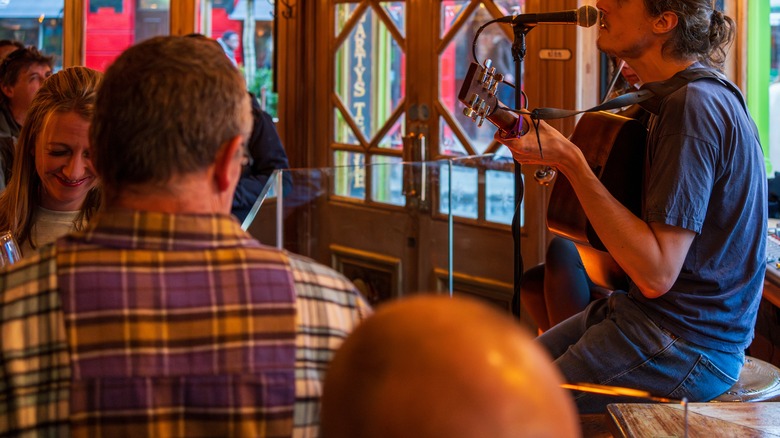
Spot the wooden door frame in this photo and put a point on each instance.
(299, 68)
(306, 136)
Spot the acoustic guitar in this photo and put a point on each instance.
(613, 145)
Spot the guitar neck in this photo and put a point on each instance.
(504, 120)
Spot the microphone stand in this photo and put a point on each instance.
(518, 55)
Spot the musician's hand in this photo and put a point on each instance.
(525, 149)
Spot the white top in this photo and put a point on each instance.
(48, 225)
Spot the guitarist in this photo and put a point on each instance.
(695, 257)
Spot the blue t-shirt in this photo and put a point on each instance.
(704, 171)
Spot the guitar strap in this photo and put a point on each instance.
(650, 96)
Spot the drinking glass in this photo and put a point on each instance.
(9, 250)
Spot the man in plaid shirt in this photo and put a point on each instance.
(163, 318)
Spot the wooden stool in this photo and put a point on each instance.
(758, 381)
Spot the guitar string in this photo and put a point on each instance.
(536, 123)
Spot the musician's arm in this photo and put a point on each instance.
(651, 254)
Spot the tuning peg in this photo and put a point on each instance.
(485, 76)
(487, 85)
(499, 78)
(482, 115)
(481, 112)
(471, 110)
(488, 71)
(492, 87)
(470, 113)
(474, 101)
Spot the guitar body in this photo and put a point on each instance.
(614, 147)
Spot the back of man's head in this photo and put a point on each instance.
(8, 46)
(432, 366)
(228, 35)
(165, 108)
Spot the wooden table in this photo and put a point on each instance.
(771, 291)
(594, 426)
(714, 420)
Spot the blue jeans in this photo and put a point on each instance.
(613, 342)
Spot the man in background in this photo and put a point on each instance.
(163, 315)
(229, 43)
(6, 144)
(22, 72)
(8, 46)
(268, 154)
(265, 150)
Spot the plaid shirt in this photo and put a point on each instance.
(149, 324)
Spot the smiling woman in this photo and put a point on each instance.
(63, 163)
(53, 188)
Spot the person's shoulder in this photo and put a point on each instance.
(308, 271)
(258, 112)
(304, 269)
(316, 281)
(33, 276)
(714, 86)
(719, 101)
(710, 97)
(6, 124)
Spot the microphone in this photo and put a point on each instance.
(585, 16)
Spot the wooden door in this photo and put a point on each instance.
(382, 75)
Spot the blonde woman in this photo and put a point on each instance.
(53, 187)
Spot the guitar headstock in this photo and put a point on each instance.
(478, 93)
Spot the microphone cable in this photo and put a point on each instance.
(474, 56)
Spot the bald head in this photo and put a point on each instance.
(431, 366)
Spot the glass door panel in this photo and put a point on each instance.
(366, 63)
(37, 24)
(454, 60)
(114, 25)
(458, 134)
(231, 21)
(369, 96)
(774, 86)
(395, 10)
(393, 109)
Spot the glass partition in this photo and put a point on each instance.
(404, 241)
